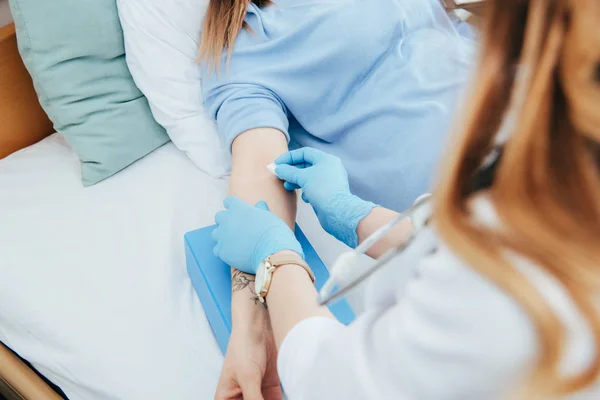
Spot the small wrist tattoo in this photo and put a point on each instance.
(241, 281)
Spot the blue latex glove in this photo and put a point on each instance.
(324, 183)
(246, 235)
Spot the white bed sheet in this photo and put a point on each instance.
(93, 285)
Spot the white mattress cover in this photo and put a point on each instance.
(93, 284)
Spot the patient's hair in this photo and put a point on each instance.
(547, 184)
(223, 22)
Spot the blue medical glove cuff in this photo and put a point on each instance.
(266, 249)
(350, 211)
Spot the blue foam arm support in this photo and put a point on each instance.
(211, 279)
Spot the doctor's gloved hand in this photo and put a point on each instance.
(324, 183)
(246, 235)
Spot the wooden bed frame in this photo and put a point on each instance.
(22, 120)
(22, 123)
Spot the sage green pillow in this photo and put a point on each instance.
(75, 54)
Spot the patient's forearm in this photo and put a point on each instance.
(250, 180)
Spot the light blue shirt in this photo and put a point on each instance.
(374, 82)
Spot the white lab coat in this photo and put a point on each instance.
(433, 329)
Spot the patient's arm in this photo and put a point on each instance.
(250, 366)
(252, 151)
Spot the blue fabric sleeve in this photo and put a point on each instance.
(238, 107)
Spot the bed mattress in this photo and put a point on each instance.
(93, 285)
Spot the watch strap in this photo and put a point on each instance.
(277, 260)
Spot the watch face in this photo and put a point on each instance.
(259, 280)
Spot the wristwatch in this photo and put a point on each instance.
(265, 271)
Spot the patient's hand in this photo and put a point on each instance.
(250, 368)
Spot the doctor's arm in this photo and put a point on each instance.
(435, 343)
(324, 184)
(378, 217)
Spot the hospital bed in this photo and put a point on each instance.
(94, 294)
(126, 323)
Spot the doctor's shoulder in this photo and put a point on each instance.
(477, 337)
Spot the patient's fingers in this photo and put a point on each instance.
(273, 393)
(251, 382)
(227, 388)
(305, 155)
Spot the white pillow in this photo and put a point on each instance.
(161, 42)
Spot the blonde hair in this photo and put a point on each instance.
(547, 184)
(223, 22)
